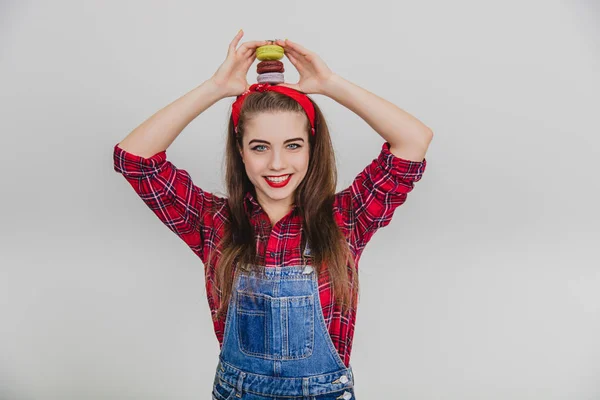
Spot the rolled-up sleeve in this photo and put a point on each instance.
(376, 192)
(170, 193)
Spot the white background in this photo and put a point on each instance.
(486, 284)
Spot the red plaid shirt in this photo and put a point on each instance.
(185, 208)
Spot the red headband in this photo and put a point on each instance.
(300, 97)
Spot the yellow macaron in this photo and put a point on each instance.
(269, 52)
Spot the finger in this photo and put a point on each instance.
(235, 42)
(297, 54)
(248, 62)
(304, 62)
(251, 45)
(248, 58)
(298, 65)
(294, 53)
(247, 53)
(296, 47)
(282, 43)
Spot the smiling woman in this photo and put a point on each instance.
(277, 166)
(281, 250)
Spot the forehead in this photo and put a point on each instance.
(276, 126)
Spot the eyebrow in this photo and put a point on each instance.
(264, 141)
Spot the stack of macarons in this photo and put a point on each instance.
(270, 69)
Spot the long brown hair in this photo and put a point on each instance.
(314, 199)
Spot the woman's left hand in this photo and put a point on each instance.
(314, 73)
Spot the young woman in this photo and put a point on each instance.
(281, 251)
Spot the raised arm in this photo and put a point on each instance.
(161, 129)
(408, 137)
(167, 190)
(370, 201)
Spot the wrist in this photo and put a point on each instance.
(216, 89)
(330, 86)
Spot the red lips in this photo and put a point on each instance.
(278, 184)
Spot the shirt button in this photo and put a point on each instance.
(347, 396)
(272, 254)
(344, 379)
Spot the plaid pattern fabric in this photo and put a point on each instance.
(198, 218)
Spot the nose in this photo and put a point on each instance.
(276, 162)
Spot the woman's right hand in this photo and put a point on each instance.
(231, 75)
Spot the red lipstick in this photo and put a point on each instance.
(278, 184)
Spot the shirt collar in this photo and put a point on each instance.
(251, 204)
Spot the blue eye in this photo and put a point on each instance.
(255, 148)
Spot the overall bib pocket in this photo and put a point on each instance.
(275, 328)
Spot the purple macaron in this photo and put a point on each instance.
(270, 77)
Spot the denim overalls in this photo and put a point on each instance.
(276, 345)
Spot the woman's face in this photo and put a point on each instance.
(275, 145)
